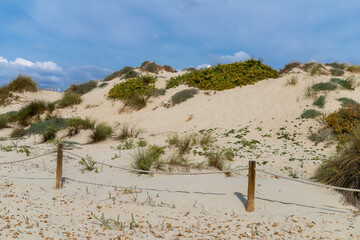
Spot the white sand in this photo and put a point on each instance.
(182, 207)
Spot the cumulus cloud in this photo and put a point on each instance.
(238, 56)
(48, 73)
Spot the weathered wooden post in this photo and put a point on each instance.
(59, 164)
(251, 187)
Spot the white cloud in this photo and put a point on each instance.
(21, 62)
(203, 66)
(238, 56)
(3, 60)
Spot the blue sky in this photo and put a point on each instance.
(72, 41)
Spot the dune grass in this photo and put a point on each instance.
(40, 127)
(18, 133)
(310, 113)
(83, 88)
(33, 109)
(342, 170)
(324, 86)
(128, 130)
(49, 133)
(218, 158)
(347, 102)
(348, 83)
(290, 66)
(69, 99)
(320, 102)
(292, 81)
(20, 84)
(101, 132)
(337, 72)
(146, 159)
(74, 125)
(353, 68)
(183, 95)
(4, 121)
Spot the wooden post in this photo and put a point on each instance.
(59, 166)
(251, 187)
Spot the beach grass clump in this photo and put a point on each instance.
(101, 132)
(128, 130)
(20, 84)
(320, 102)
(347, 102)
(74, 125)
(313, 68)
(18, 133)
(336, 65)
(4, 121)
(290, 66)
(342, 170)
(83, 88)
(206, 139)
(88, 165)
(49, 133)
(69, 99)
(337, 72)
(218, 158)
(33, 109)
(40, 127)
(292, 81)
(136, 102)
(344, 120)
(120, 73)
(321, 135)
(310, 113)
(183, 95)
(324, 86)
(353, 68)
(146, 159)
(225, 76)
(347, 83)
(156, 92)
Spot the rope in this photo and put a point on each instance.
(156, 172)
(27, 159)
(310, 183)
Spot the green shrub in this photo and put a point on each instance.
(353, 68)
(227, 76)
(218, 159)
(344, 120)
(39, 128)
(312, 68)
(336, 65)
(320, 102)
(131, 74)
(156, 92)
(83, 88)
(70, 99)
(18, 133)
(328, 86)
(136, 102)
(4, 121)
(183, 95)
(290, 66)
(147, 159)
(103, 85)
(142, 143)
(173, 140)
(342, 170)
(49, 133)
(310, 113)
(337, 72)
(120, 73)
(101, 132)
(348, 83)
(74, 125)
(347, 102)
(33, 109)
(133, 87)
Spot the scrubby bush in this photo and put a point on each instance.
(120, 73)
(342, 170)
(319, 102)
(33, 109)
(18, 133)
(337, 72)
(39, 128)
(183, 95)
(310, 113)
(101, 132)
(70, 99)
(131, 74)
(336, 65)
(344, 120)
(225, 76)
(353, 68)
(133, 87)
(149, 158)
(290, 66)
(103, 85)
(348, 83)
(156, 92)
(347, 102)
(327, 86)
(83, 88)
(23, 84)
(74, 125)
(49, 133)
(4, 120)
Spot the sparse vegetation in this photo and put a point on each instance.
(74, 125)
(33, 109)
(83, 88)
(310, 113)
(347, 102)
(337, 72)
(225, 76)
(128, 131)
(336, 65)
(324, 86)
(353, 68)
(342, 170)
(101, 132)
(156, 92)
(320, 102)
(290, 66)
(126, 70)
(320, 136)
(183, 95)
(349, 83)
(103, 85)
(312, 68)
(88, 165)
(292, 81)
(4, 121)
(40, 127)
(20, 84)
(218, 159)
(49, 133)
(18, 133)
(149, 158)
(70, 99)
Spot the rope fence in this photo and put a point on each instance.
(251, 175)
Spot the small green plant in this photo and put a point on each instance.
(310, 113)
(88, 165)
(142, 143)
(101, 132)
(320, 102)
(345, 102)
(327, 86)
(183, 95)
(128, 144)
(292, 81)
(128, 131)
(18, 133)
(291, 172)
(49, 133)
(74, 125)
(146, 159)
(108, 222)
(83, 88)
(218, 159)
(337, 72)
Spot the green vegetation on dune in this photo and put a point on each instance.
(40, 127)
(20, 84)
(82, 88)
(225, 76)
